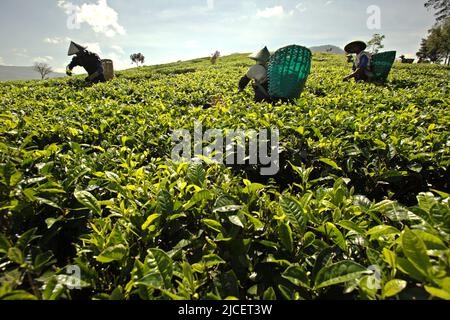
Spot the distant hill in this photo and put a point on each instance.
(328, 49)
(8, 73)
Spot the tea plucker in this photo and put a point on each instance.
(90, 61)
(258, 75)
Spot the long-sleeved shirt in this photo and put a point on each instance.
(362, 61)
(257, 73)
(91, 62)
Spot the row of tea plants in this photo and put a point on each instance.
(359, 210)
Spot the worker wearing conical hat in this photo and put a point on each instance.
(361, 64)
(258, 74)
(90, 61)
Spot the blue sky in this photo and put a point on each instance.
(171, 30)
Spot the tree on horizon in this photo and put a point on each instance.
(43, 69)
(137, 58)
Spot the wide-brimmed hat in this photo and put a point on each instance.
(262, 56)
(352, 47)
(75, 48)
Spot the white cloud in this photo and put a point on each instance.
(181, 12)
(100, 16)
(23, 53)
(56, 40)
(118, 49)
(52, 40)
(120, 61)
(45, 59)
(2, 61)
(93, 47)
(301, 7)
(270, 12)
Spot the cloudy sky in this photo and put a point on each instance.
(171, 30)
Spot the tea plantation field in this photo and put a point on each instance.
(359, 210)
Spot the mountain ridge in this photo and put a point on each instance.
(329, 48)
(15, 73)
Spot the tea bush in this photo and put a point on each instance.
(359, 209)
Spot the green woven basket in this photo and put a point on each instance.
(382, 64)
(288, 71)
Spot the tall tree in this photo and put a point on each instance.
(422, 54)
(43, 69)
(442, 8)
(437, 46)
(376, 43)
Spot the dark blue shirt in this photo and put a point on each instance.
(91, 62)
(363, 63)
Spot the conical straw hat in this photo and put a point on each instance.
(351, 47)
(262, 56)
(74, 48)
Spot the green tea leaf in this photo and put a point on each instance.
(405, 266)
(196, 173)
(16, 255)
(416, 251)
(285, 233)
(236, 221)
(331, 163)
(349, 225)
(438, 293)
(338, 273)
(199, 197)
(297, 276)
(115, 253)
(213, 224)
(88, 201)
(4, 243)
(150, 221)
(431, 241)
(165, 202)
(333, 233)
(294, 212)
(159, 270)
(270, 295)
(393, 288)
(226, 209)
(212, 260)
(19, 295)
(382, 231)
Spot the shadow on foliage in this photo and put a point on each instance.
(403, 84)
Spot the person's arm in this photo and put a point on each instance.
(244, 82)
(363, 64)
(72, 65)
(354, 74)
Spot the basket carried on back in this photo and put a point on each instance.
(288, 71)
(382, 64)
(108, 69)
